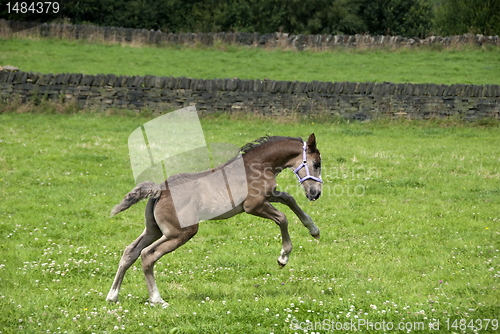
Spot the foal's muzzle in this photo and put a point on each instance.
(313, 194)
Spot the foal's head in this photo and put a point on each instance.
(310, 181)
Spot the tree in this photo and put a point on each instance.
(325, 17)
(395, 17)
(408, 18)
(457, 17)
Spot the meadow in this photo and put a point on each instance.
(422, 65)
(409, 226)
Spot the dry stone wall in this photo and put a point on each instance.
(351, 100)
(271, 40)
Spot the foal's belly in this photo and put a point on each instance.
(233, 212)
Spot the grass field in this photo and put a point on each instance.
(409, 226)
(468, 66)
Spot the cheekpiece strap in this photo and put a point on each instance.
(304, 165)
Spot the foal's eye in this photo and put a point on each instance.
(317, 165)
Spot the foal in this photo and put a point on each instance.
(263, 160)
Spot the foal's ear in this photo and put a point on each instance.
(311, 142)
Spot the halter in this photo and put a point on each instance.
(304, 164)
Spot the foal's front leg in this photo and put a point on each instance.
(266, 210)
(287, 199)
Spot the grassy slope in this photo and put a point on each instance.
(416, 66)
(409, 223)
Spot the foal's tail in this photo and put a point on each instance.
(142, 191)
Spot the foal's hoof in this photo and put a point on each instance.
(316, 236)
(112, 296)
(160, 303)
(282, 265)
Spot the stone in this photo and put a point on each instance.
(357, 101)
(9, 68)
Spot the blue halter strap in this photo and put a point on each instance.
(304, 164)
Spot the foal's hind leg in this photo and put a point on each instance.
(287, 199)
(132, 252)
(154, 252)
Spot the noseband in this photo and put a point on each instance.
(304, 164)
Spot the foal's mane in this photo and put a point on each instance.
(262, 140)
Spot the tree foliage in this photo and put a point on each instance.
(398, 17)
(456, 17)
(407, 18)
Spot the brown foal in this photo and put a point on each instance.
(263, 159)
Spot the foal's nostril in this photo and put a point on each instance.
(314, 194)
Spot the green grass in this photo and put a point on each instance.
(409, 224)
(468, 66)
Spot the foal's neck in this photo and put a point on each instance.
(281, 154)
